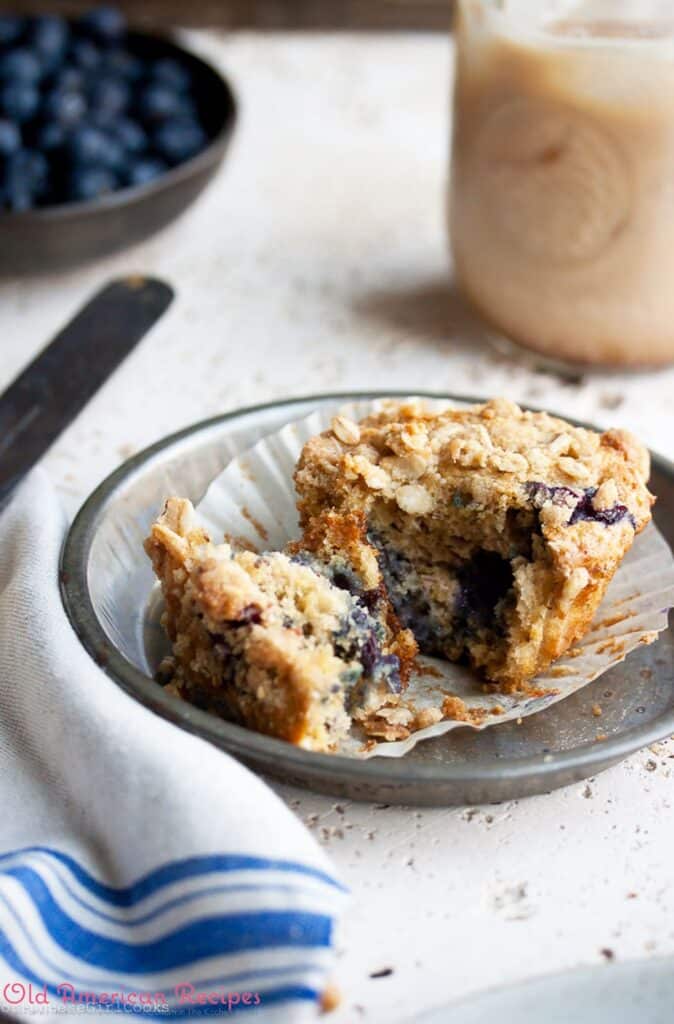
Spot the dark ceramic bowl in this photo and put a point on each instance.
(54, 237)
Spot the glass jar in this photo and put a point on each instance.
(562, 186)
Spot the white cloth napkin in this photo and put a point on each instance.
(134, 858)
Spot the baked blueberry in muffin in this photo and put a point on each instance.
(296, 645)
(498, 530)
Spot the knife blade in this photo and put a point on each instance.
(58, 383)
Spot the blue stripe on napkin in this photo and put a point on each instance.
(295, 925)
(172, 872)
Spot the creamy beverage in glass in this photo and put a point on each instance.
(562, 185)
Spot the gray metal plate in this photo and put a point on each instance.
(639, 992)
(106, 586)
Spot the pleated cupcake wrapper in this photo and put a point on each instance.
(253, 502)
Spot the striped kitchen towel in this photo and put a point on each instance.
(142, 871)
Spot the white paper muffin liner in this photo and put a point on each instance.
(253, 501)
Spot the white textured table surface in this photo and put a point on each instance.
(318, 261)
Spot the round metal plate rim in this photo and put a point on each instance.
(535, 988)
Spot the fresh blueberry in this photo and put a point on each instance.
(131, 135)
(26, 176)
(37, 167)
(10, 138)
(19, 198)
(50, 135)
(65, 106)
(20, 65)
(33, 166)
(49, 38)
(171, 73)
(142, 172)
(91, 146)
(179, 139)
(11, 30)
(91, 182)
(159, 102)
(85, 55)
(109, 97)
(105, 24)
(124, 64)
(19, 101)
(68, 78)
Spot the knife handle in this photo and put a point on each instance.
(58, 383)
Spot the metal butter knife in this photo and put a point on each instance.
(50, 392)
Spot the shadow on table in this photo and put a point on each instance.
(435, 311)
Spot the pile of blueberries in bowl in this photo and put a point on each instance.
(86, 108)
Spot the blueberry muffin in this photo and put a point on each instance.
(498, 530)
(296, 645)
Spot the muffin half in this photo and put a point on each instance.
(296, 644)
(498, 530)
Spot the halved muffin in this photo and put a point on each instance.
(293, 645)
(498, 529)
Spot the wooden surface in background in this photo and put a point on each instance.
(271, 14)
